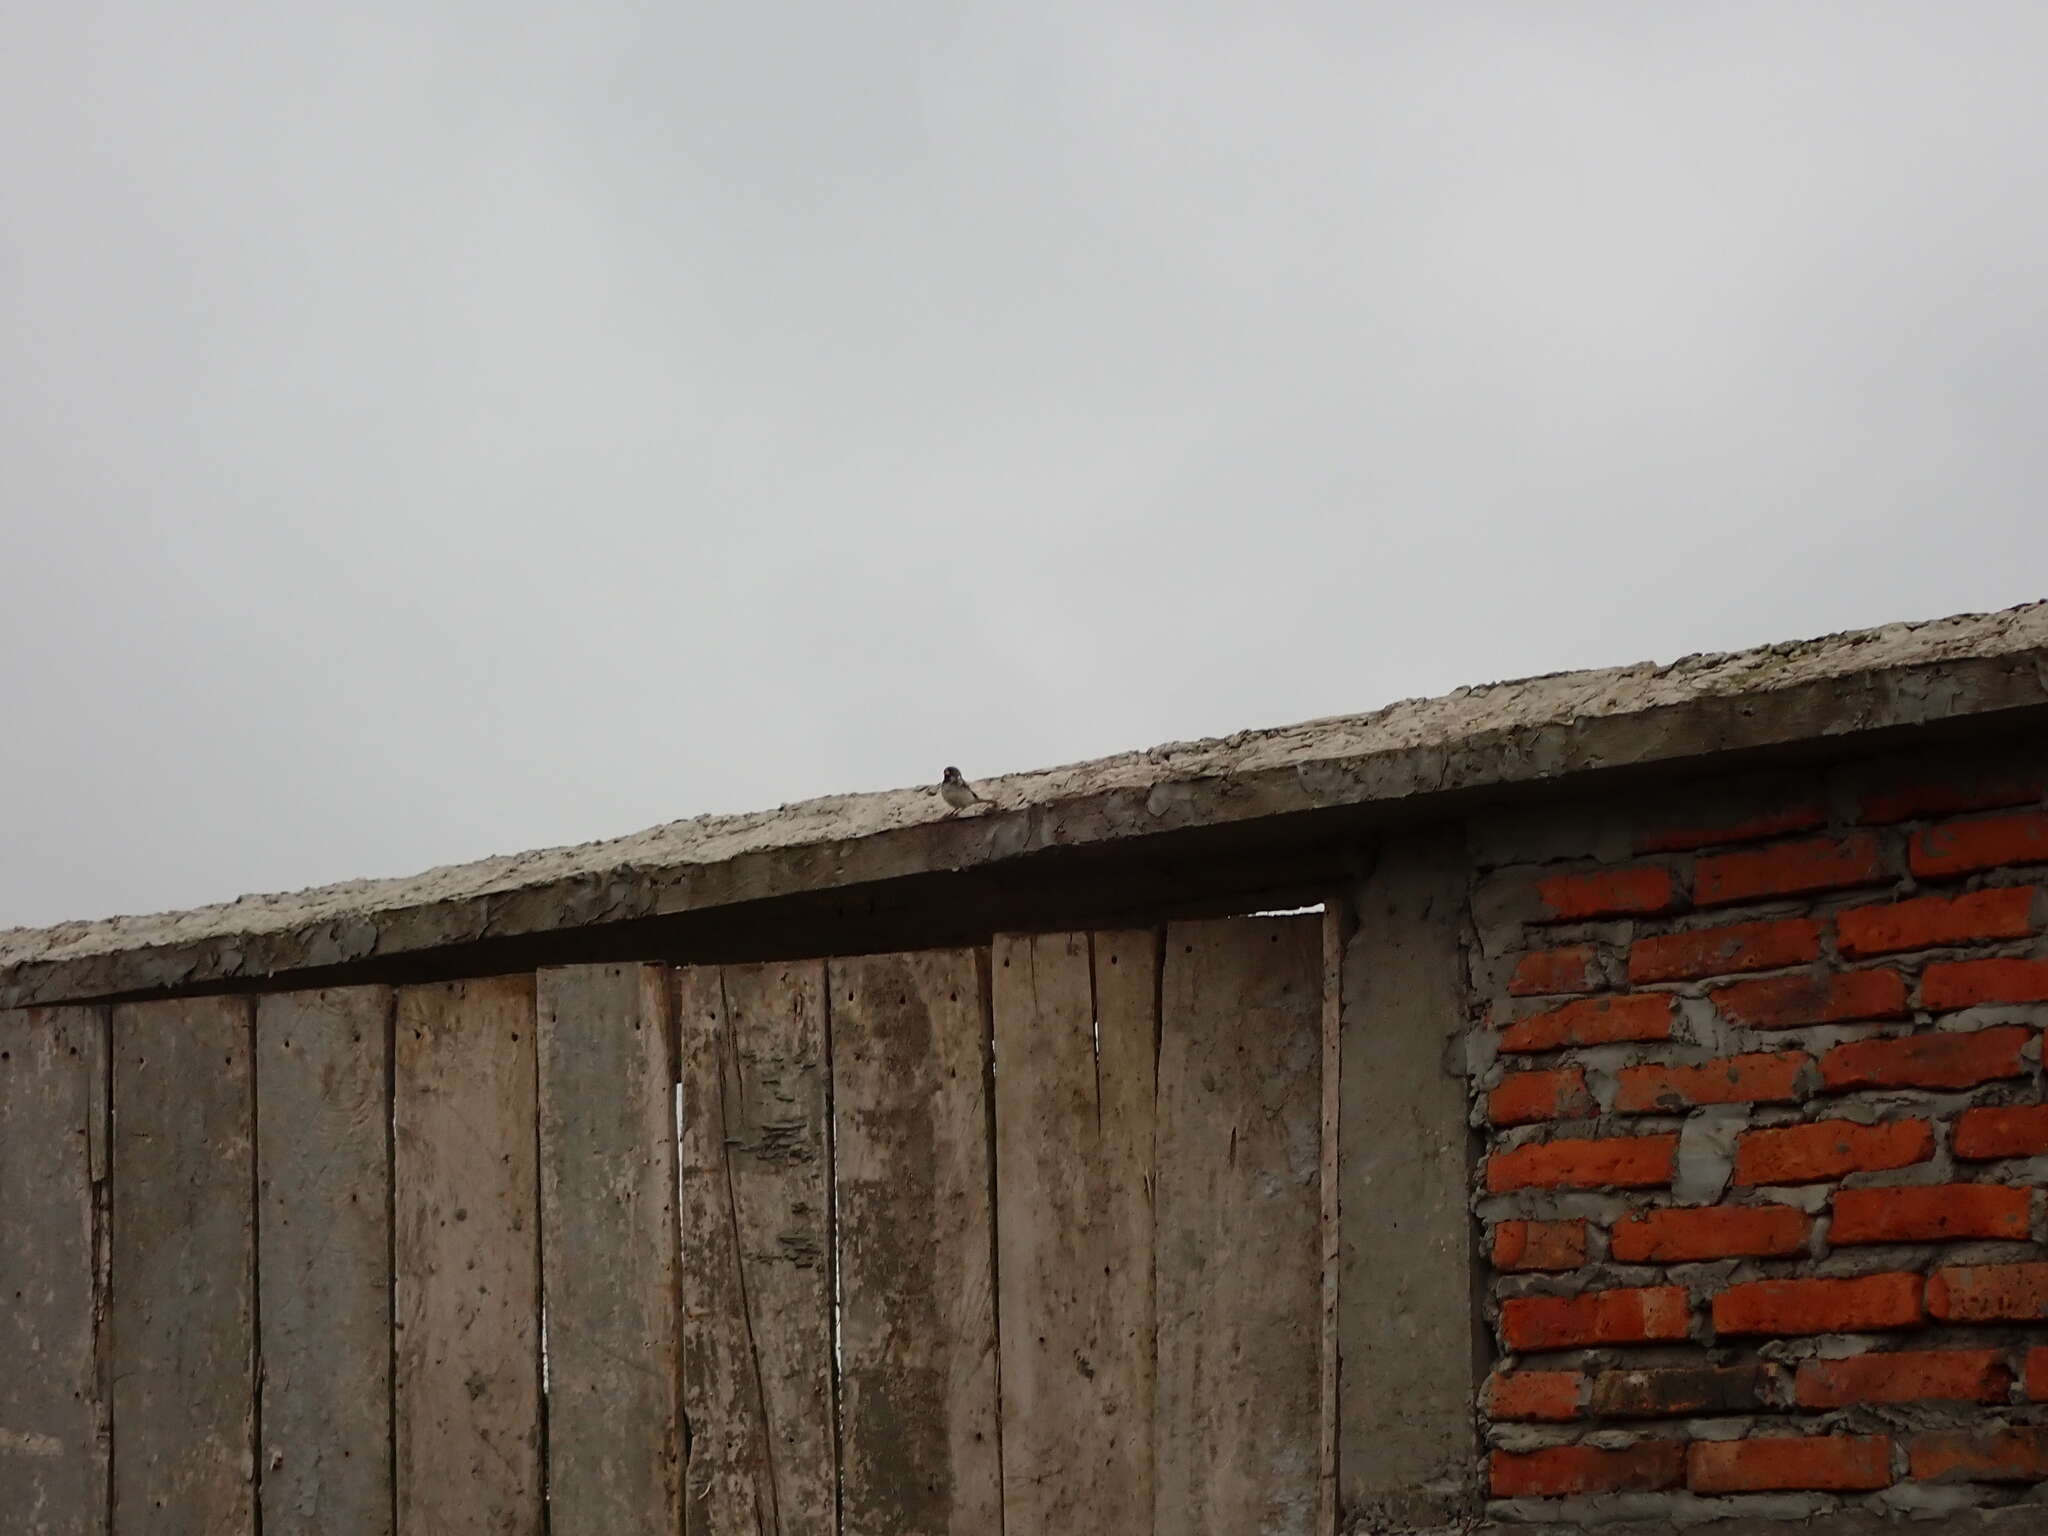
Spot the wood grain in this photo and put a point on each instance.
(757, 1177)
(1239, 1252)
(183, 1314)
(468, 1280)
(323, 1182)
(921, 1451)
(1076, 1021)
(53, 1157)
(608, 1251)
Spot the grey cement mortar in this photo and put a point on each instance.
(1526, 732)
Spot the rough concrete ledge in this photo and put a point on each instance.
(1531, 731)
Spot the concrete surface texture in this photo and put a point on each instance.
(1496, 735)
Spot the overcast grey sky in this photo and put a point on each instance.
(433, 429)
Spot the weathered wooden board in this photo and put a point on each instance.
(323, 1204)
(1076, 1027)
(53, 1158)
(608, 1251)
(911, 1142)
(1237, 1228)
(1408, 1449)
(1337, 922)
(728, 1490)
(758, 1249)
(184, 1335)
(468, 1263)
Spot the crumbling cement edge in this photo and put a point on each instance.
(1533, 731)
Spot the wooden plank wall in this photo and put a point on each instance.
(1237, 1232)
(608, 1251)
(184, 1267)
(323, 1265)
(921, 1449)
(466, 1235)
(1076, 1031)
(53, 1251)
(1027, 1238)
(758, 1278)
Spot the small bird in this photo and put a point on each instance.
(957, 792)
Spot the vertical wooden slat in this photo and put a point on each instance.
(1411, 1353)
(468, 1269)
(758, 1249)
(608, 1251)
(727, 1487)
(1238, 1220)
(911, 1140)
(1076, 1022)
(53, 1085)
(183, 1269)
(1336, 926)
(323, 1180)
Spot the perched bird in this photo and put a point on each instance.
(957, 792)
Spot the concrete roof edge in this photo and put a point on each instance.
(1491, 736)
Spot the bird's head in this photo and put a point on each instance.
(952, 776)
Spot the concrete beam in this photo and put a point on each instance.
(1404, 759)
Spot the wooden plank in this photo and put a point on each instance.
(757, 1194)
(1238, 1255)
(921, 1454)
(468, 1263)
(774, 1077)
(53, 1447)
(183, 1314)
(323, 1203)
(608, 1251)
(1411, 1357)
(1337, 923)
(727, 1487)
(1076, 1031)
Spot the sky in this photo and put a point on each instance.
(435, 429)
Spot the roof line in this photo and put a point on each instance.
(1491, 737)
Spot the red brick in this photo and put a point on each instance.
(1927, 1060)
(1527, 1097)
(1687, 1234)
(1989, 1293)
(1819, 1306)
(1931, 1213)
(1790, 1464)
(2037, 1374)
(1827, 1149)
(1542, 1245)
(2021, 1131)
(1800, 816)
(1683, 1390)
(1788, 869)
(1968, 983)
(1794, 1002)
(1981, 1456)
(1538, 1396)
(1722, 951)
(1625, 1162)
(1592, 1021)
(1929, 797)
(1643, 1315)
(1572, 968)
(1608, 893)
(1760, 1078)
(1927, 922)
(1958, 847)
(1909, 1376)
(1579, 1469)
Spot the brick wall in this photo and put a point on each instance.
(1758, 1073)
